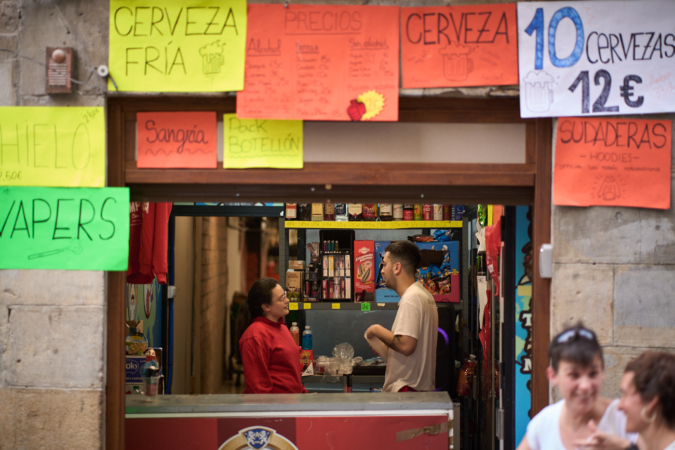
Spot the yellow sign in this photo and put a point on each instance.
(308, 306)
(293, 306)
(177, 45)
(52, 146)
(336, 306)
(252, 143)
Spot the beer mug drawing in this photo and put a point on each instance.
(456, 62)
(212, 58)
(538, 91)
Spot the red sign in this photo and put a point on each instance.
(303, 433)
(318, 62)
(185, 140)
(612, 162)
(448, 46)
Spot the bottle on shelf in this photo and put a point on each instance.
(398, 211)
(304, 211)
(369, 212)
(307, 338)
(355, 212)
(291, 211)
(295, 332)
(317, 212)
(341, 212)
(447, 212)
(329, 212)
(386, 212)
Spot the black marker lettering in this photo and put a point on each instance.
(649, 44)
(25, 221)
(504, 21)
(613, 45)
(34, 214)
(660, 125)
(441, 30)
(56, 222)
(106, 220)
(407, 29)
(136, 22)
(211, 22)
(7, 218)
(115, 20)
(153, 22)
(168, 19)
(234, 23)
(81, 224)
(424, 25)
(483, 29)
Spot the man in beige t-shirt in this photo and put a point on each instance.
(411, 358)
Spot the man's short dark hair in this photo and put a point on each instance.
(407, 254)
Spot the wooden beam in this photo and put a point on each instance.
(116, 293)
(541, 287)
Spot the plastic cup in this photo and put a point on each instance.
(150, 385)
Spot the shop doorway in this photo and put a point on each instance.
(528, 183)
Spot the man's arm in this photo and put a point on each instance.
(405, 345)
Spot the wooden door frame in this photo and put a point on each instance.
(528, 183)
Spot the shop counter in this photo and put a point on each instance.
(351, 421)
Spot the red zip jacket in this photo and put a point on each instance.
(271, 359)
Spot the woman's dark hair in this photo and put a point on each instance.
(407, 253)
(655, 377)
(575, 344)
(259, 294)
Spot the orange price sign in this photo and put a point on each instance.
(449, 46)
(321, 62)
(612, 162)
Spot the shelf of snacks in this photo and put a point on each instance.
(349, 306)
(392, 225)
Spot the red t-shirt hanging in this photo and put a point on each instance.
(148, 242)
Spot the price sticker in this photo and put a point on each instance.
(365, 306)
(293, 306)
(336, 306)
(308, 306)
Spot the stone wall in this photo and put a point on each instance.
(52, 323)
(614, 268)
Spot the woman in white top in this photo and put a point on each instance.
(577, 369)
(648, 401)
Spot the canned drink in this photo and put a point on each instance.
(427, 212)
(438, 212)
(447, 212)
(417, 212)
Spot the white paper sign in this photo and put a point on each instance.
(596, 58)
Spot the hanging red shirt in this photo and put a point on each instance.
(271, 359)
(148, 242)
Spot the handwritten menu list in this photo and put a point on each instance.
(319, 62)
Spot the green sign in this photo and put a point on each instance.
(64, 228)
(365, 306)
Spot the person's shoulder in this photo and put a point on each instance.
(545, 416)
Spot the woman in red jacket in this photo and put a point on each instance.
(268, 352)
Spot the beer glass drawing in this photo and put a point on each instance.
(456, 62)
(538, 90)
